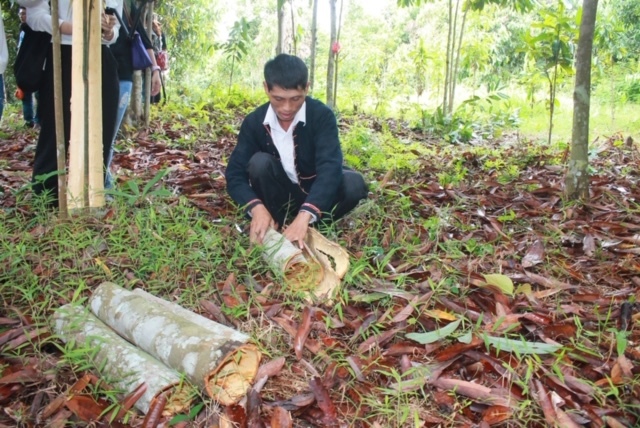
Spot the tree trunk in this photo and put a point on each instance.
(454, 74)
(135, 105)
(552, 98)
(147, 73)
(337, 55)
(293, 30)
(124, 366)
(577, 179)
(57, 89)
(218, 361)
(447, 61)
(454, 32)
(331, 66)
(280, 43)
(314, 43)
(86, 175)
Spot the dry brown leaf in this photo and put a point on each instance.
(303, 332)
(495, 415)
(280, 418)
(534, 255)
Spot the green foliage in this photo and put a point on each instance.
(364, 148)
(237, 45)
(476, 118)
(134, 195)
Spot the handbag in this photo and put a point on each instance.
(31, 59)
(140, 58)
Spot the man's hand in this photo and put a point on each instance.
(297, 230)
(261, 221)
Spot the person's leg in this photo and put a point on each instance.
(110, 98)
(36, 96)
(123, 103)
(45, 160)
(27, 108)
(1, 95)
(270, 182)
(352, 191)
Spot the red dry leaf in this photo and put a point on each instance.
(534, 255)
(458, 348)
(215, 311)
(406, 311)
(494, 415)
(86, 407)
(270, 368)
(280, 418)
(27, 375)
(236, 415)
(131, 399)
(253, 410)
(228, 294)
(475, 391)
(542, 397)
(291, 328)
(152, 419)
(303, 332)
(324, 401)
(377, 340)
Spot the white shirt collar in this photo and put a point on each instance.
(272, 120)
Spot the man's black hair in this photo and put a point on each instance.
(287, 72)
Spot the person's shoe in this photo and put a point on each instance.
(29, 125)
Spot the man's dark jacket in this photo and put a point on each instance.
(317, 153)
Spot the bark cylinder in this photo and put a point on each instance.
(125, 366)
(212, 356)
(318, 269)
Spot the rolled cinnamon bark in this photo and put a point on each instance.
(214, 357)
(123, 365)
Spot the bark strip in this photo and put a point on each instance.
(212, 356)
(318, 269)
(125, 366)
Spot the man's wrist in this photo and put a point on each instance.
(309, 217)
(155, 68)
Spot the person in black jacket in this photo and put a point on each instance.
(288, 160)
(121, 51)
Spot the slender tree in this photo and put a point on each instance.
(331, 67)
(577, 179)
(314, 43)
(280, 45)
(335, 48)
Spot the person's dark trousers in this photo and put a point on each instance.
(283, 198)
(45, 161)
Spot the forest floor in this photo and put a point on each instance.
(476, 296)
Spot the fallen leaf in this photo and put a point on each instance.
(434, 336)
(303, 332)
(534, 255)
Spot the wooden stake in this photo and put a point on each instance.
(59, 118)
(86, 175)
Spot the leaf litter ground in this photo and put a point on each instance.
(484, 302)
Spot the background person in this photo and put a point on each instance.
(30, 119)
(122, 52)
(45, 161)
(159, 41)
(4, 59)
